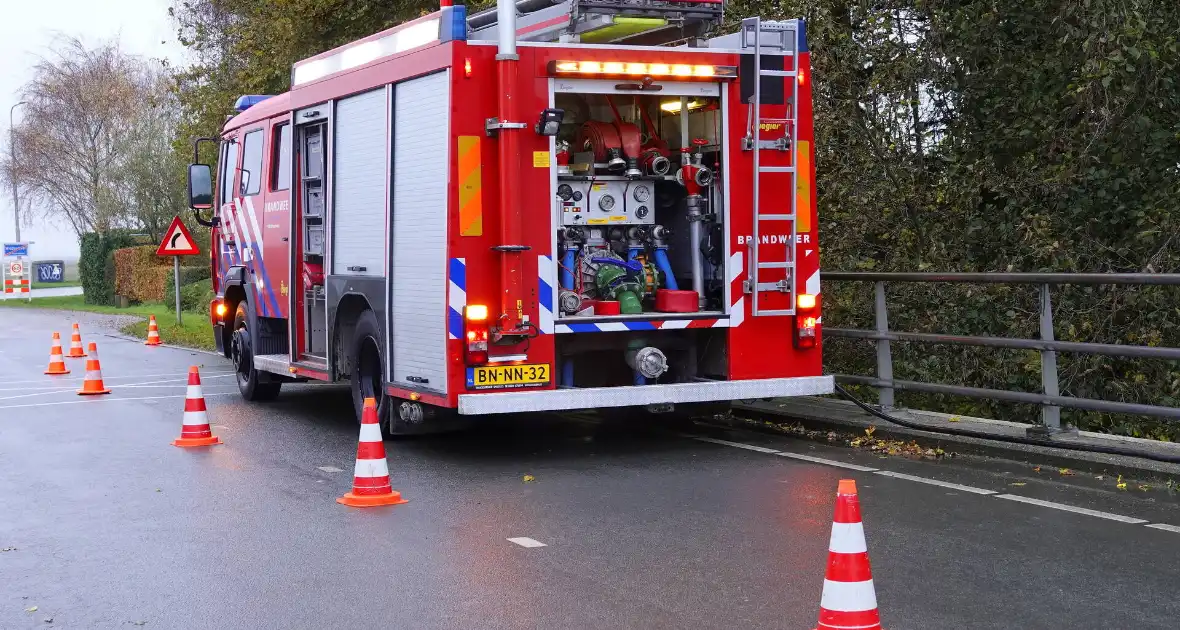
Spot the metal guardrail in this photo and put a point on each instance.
(1050, 399)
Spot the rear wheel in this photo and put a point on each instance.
(368, 369)
(253, 385)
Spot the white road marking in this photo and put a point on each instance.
(1069, 508)
(527, 542)
(104, 399)
(826, 462)
(329, 469)
(79, 379)
(748, 447)
(935, 482)
(68, 388)
(59, 390)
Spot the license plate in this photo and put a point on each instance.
(507, 376)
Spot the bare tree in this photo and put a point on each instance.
(92, 148)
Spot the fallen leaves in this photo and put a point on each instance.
(529, 479)
(1120, 484)
(31, 609)
(1036, 469)
(1018, 484)
(1065, 472)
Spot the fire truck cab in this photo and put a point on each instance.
(547, 206)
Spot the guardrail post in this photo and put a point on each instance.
(884, 356)
(1050, 414)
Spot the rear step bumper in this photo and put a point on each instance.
(593, 397)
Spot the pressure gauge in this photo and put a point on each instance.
(641, 212)
(642, 194)
(606, 202)
(577, 195)
(565, 191)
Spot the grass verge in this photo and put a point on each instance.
(57, 285)
(195, 332)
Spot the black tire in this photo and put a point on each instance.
(253, 385)
(368, 369)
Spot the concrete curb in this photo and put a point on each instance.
(843, 416)
(123, 337)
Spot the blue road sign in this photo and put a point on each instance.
(50, 271)
(16, 249)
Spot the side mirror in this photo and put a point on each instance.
(200, 187)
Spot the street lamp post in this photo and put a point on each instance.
(12, 169)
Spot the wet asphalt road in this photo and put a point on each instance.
(114, 528)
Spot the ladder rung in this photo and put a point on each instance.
(776, 217)
(776, 265)
(776, 169)
(778, 73)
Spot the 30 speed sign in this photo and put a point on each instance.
(16, 269)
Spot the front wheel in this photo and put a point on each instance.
(253, 385)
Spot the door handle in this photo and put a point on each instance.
(358, 268)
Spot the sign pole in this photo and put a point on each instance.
(176, 281)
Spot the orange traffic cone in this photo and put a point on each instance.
(76, 351)
(849, 599)
(93, 383)
(153, 338)
(57, 364)
(370, 481)
(194, 429)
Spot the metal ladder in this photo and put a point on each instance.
(778, 38)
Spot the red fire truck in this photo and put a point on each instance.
(544, 206)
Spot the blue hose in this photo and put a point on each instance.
(640, 379)
(666, 268)
(633, 253)
(567, 373)
(567, 266)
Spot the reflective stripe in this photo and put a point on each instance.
(371, 433)
(254, 224)
(848, 596)
(193, 391)
(192, 418)
(847, 538)
(371, 468)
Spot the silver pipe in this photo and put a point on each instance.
(694, 212)
(505, 29)
(489, 16)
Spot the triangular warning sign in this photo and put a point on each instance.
(177, 241)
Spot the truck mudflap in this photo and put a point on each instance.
(593, 397)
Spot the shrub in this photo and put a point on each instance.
(195, 297)
(188, 275)
(96, 265)
(140, 275)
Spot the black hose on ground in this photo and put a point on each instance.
(1015, 439)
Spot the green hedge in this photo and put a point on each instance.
(195, 297)
(96, 265)
(188, 275)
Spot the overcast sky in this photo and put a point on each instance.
(29, 27)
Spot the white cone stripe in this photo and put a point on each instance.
(848, 538)
(848, 596)
(193, 391)
(371, 468)
(371, 433)
(193, 418)
(93, 375)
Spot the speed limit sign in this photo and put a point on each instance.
(16, 269)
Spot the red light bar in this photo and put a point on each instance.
(591, 69)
